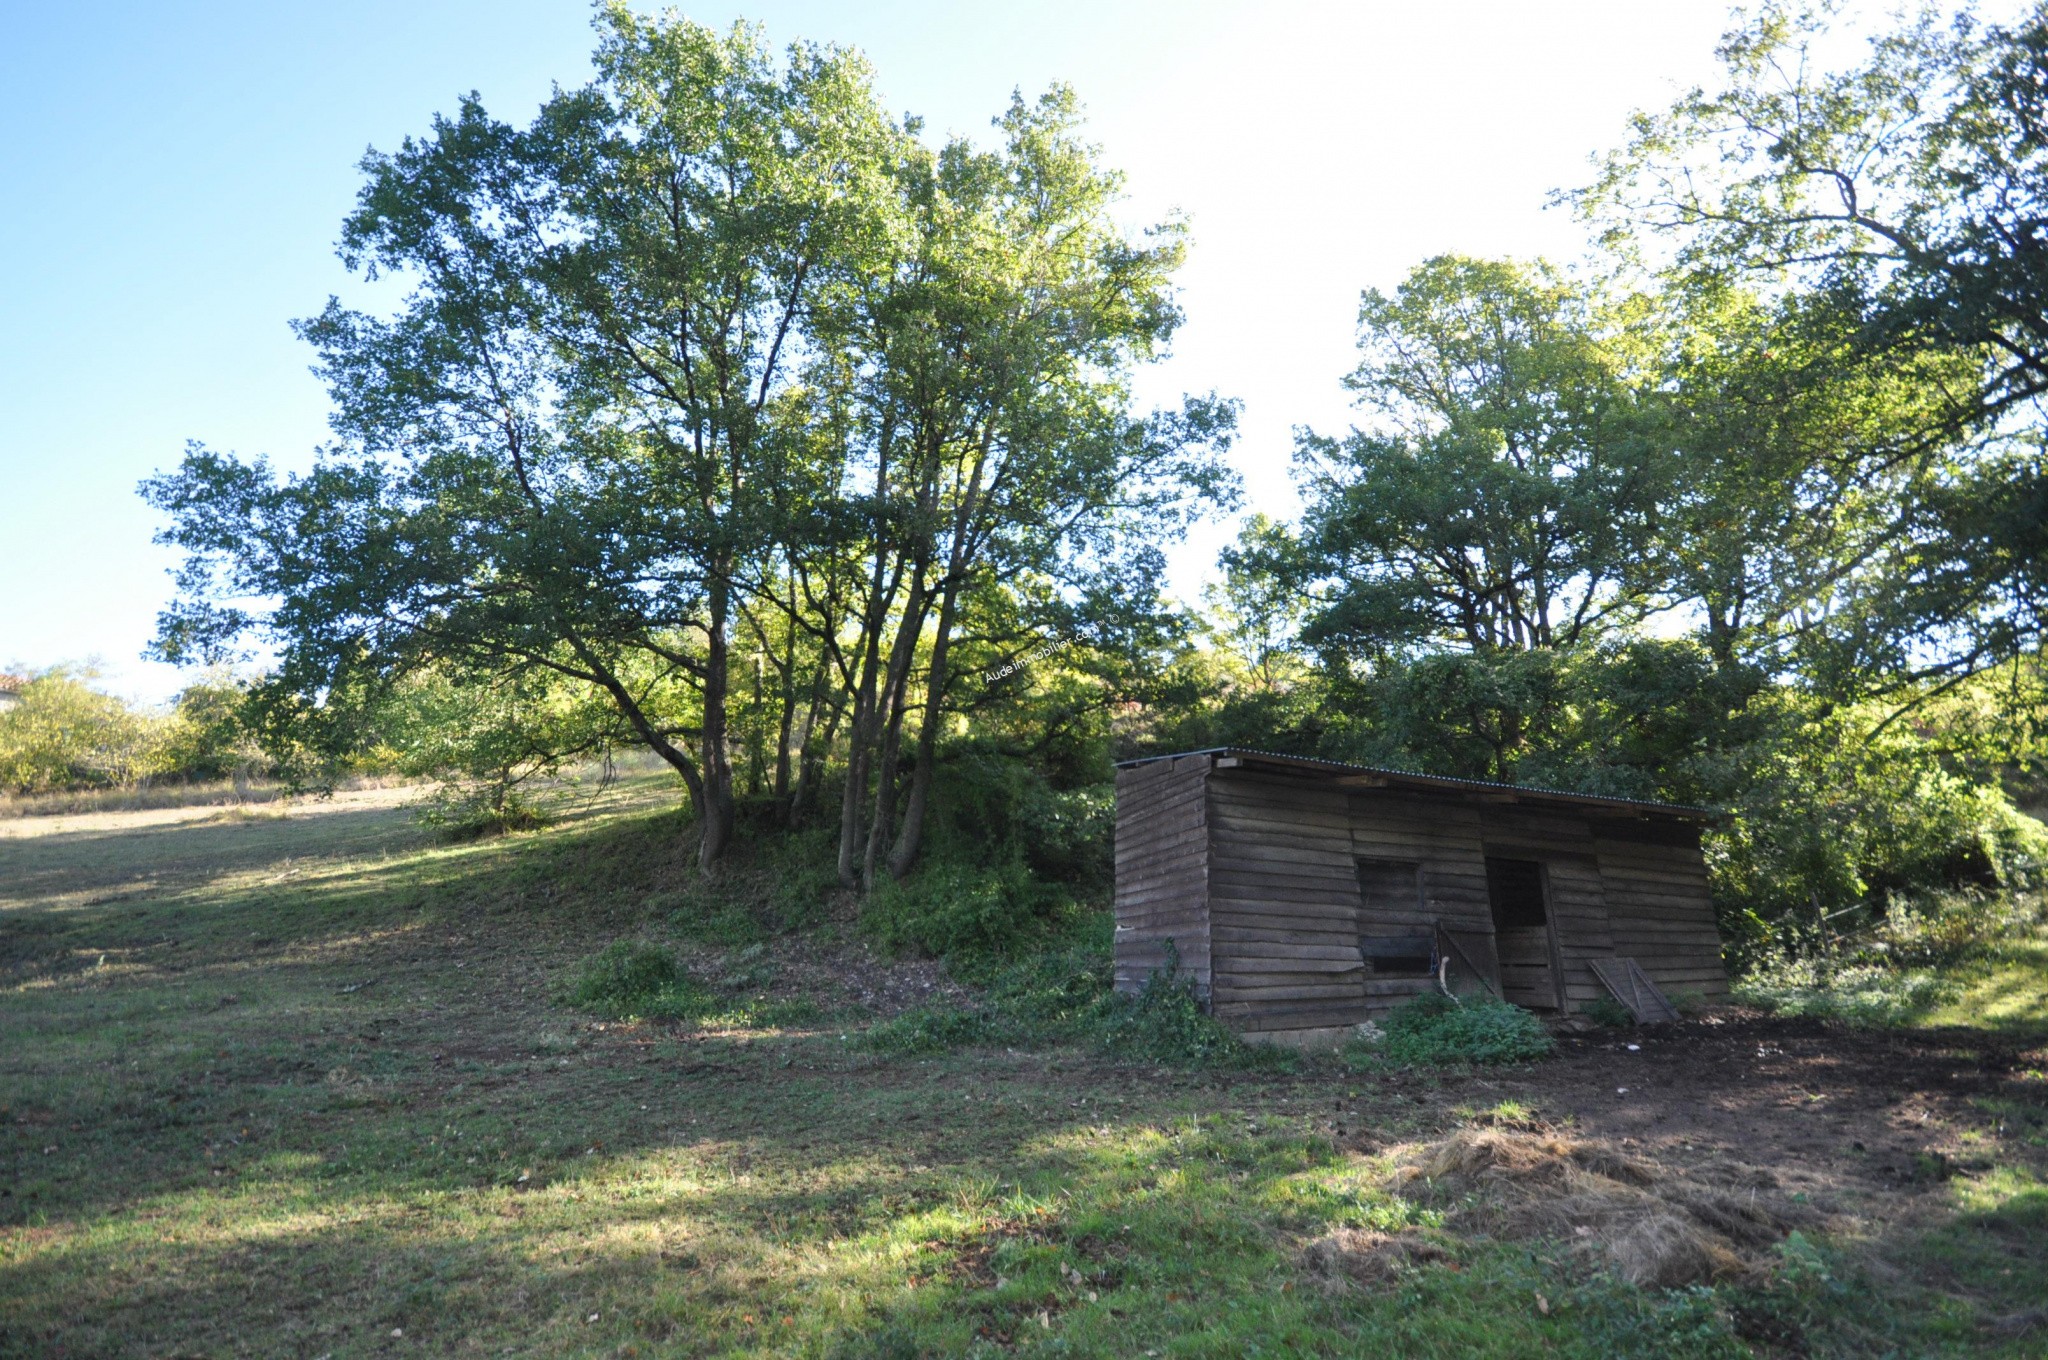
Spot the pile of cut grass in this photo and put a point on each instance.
(325, 1098)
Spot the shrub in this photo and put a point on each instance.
(1435, 1030)
(1605, 1010)
(932, 1029)
(67, 735)
(461, 812)
(1165, 1023)
(638, 981)
(952, 911)
(1859, 994)
(645, 982)
(1055, 990)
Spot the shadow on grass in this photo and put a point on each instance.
(295, 1111)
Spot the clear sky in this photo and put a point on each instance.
(172, 178)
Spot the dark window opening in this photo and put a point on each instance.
(1390, 892)
(1514, 889)
(1399, 955)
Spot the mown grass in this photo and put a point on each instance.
(310, 1085)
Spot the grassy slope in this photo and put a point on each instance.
(294, 1085)
(2009, 992)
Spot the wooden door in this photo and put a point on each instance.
(1515, 891)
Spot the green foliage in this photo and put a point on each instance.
(1434, 1030)
(713, 911)
(1052, 817)
(1824, 816)
(1886, 192)
(1063, 994)
(934, 1029)
(494, 744)
(773, 884)
(1058, 989)
(208, 733)
(1163, 1022)
(954, 911)
(64, 734)
(1605, 1010)
(639, 981)
(1923, 954)
(630, 980)
(1502, 496)
(467, 812)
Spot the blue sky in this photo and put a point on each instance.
(174, 177)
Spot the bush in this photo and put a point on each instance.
(462, 812)
(1057, 990)
(933, 1029)
(1064, 994)
(1892, 970)
(1605, 1010)
(631, 981)
(645, 982)
(1435, 1030)
(1164, 1023)
(65, 734)
(952, 911)
(1859, 994)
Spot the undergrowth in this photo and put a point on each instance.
(1435, 1030)
(1064, 994)
(772, 886)
(635, 981)
(1922, 954)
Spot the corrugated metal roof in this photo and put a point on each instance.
(1415, 778)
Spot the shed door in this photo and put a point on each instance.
(1521, 931)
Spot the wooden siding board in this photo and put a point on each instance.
(1162, 872)
(1663, 912)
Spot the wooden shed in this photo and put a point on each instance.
(1301, 897)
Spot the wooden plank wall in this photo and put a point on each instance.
(1659, 906)
(1444, 835)
(1162, 871)
(1575, 891)
(1252, 876)
(1283, 904)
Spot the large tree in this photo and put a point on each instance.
(1501, 497)
(1002, 446)
(713, 376)
(559, 452)
(1907, 193)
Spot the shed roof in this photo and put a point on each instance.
(1374, 776)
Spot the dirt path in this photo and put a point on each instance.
(1868, 1126)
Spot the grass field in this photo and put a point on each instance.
(296, 1080)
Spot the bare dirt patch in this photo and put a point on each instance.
(1750, 1126)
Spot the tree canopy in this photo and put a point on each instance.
(713, 353)
(721, 414)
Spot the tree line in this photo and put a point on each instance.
(725, 417)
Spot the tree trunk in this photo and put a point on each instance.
(862, 734)
(714, 758)
(785, 729)
(902, 656)
(912, 840)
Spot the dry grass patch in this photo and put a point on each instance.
(1364, 1257)
(1650, 1224)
